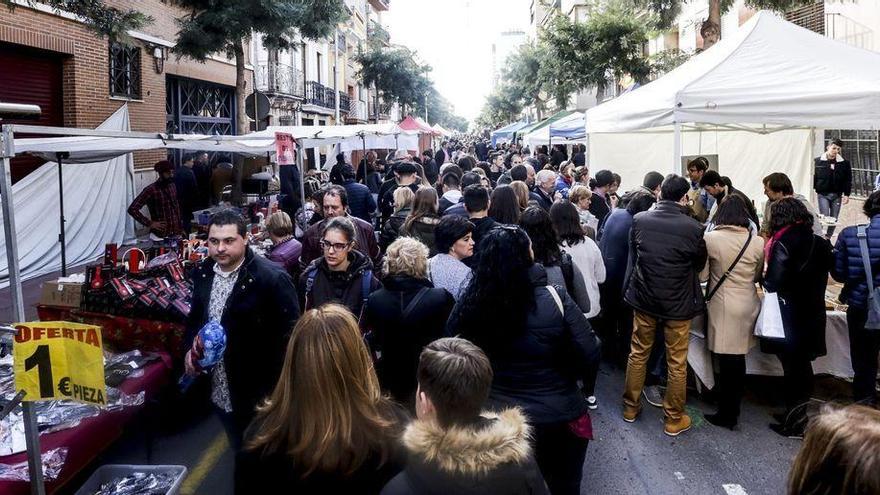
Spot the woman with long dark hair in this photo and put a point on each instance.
(326, 428)
(561, 270)
(423, 219)
(504, 205)
(798, 263)
(540, 345)
(736, 258)
(600, 203)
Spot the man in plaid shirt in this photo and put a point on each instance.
(160, 199)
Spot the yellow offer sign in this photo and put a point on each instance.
(55, 360)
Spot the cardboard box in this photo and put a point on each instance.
(68, 295)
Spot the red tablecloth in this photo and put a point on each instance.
(85, 441)
(122, 334)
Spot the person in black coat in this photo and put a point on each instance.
(203, 171)
(360, 201)
(404, 316)
(798, 263)
(255, 301)
(326, 428)
(454, 446)
(667, 253)
(432, 169)
(187, 192)
(832, 181)
(540, 345)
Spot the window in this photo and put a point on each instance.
(125, 71)
(318, 74)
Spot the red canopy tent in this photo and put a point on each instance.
(426, 133)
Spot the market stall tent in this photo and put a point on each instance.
(566, 130)
(755, 99)
(505, 134)
(526, 132)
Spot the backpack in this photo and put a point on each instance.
(366, 282)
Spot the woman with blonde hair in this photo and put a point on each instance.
(522, 194)
(326, 426)
(423, 219)
(581, 197)
(403, 202)
(404, 316)
(840, 454)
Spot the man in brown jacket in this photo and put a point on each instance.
(336, 205)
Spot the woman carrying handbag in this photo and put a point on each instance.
(797, 266)
(736, 259)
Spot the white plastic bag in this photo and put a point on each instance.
(769, 324)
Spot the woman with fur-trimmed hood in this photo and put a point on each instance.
(454, 448)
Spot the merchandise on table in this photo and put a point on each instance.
(53, 462)
(139, 484)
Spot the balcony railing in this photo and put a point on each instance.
(358, 111)
(319, 95)
(344, 103)
(384, 110)
(376, 30)
(842, 28)
(278, 78)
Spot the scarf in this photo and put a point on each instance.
(768, 248)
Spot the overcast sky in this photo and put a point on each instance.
(455, 38)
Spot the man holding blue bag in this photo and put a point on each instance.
(251, 304)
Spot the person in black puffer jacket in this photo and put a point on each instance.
(342, 275)
(403, 200)
(667, 253)
(540, 344)
(454, 446)
(832, 181)
(404, 316)
(798, 263)
(849, 268)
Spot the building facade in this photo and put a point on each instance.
(79, 79)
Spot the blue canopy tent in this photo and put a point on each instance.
(506, 133)
(572, 127)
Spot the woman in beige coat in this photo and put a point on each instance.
(733, 303)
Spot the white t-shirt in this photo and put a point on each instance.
(587, 257)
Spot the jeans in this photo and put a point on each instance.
(829, 205)
(731, 384)
(560, 455)
(864, 347)
(676, 333)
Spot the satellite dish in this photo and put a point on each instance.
(262, 106)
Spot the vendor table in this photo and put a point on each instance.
(835, 362)
(124, 334)
(85, 441)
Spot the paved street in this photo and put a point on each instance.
(623, 459)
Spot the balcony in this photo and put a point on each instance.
(384, 110)
(280, 79)
(380, 5)
(357, 113)
(344, 103)
(842, 28)
(319, 95)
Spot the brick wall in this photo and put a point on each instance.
(87, 100)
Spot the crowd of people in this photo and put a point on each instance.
(435, 322)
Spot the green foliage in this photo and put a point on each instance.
(104, 20)
(665, 61)
(221, 25)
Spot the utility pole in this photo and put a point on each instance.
(336, 70)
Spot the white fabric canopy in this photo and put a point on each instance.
(768, 72)
(96, 196)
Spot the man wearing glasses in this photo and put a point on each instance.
(336, 205)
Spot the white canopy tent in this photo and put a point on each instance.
(755, 99)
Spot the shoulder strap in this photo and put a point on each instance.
(413, 303)
(862, 234)
(732, 265)
(310, 279)
(555, 296)
(366, 281)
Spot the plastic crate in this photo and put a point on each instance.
(109, 472)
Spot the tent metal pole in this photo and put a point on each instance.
(61, 236)
(676, 149)
(31, 433)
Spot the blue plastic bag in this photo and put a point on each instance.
(213, 337)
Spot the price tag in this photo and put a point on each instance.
(55, 360)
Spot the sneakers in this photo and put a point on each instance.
(654, 395)
(675, 428)
(721, 421)
(630, 415)
(592, 402)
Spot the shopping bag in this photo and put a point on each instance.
(769, 324)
